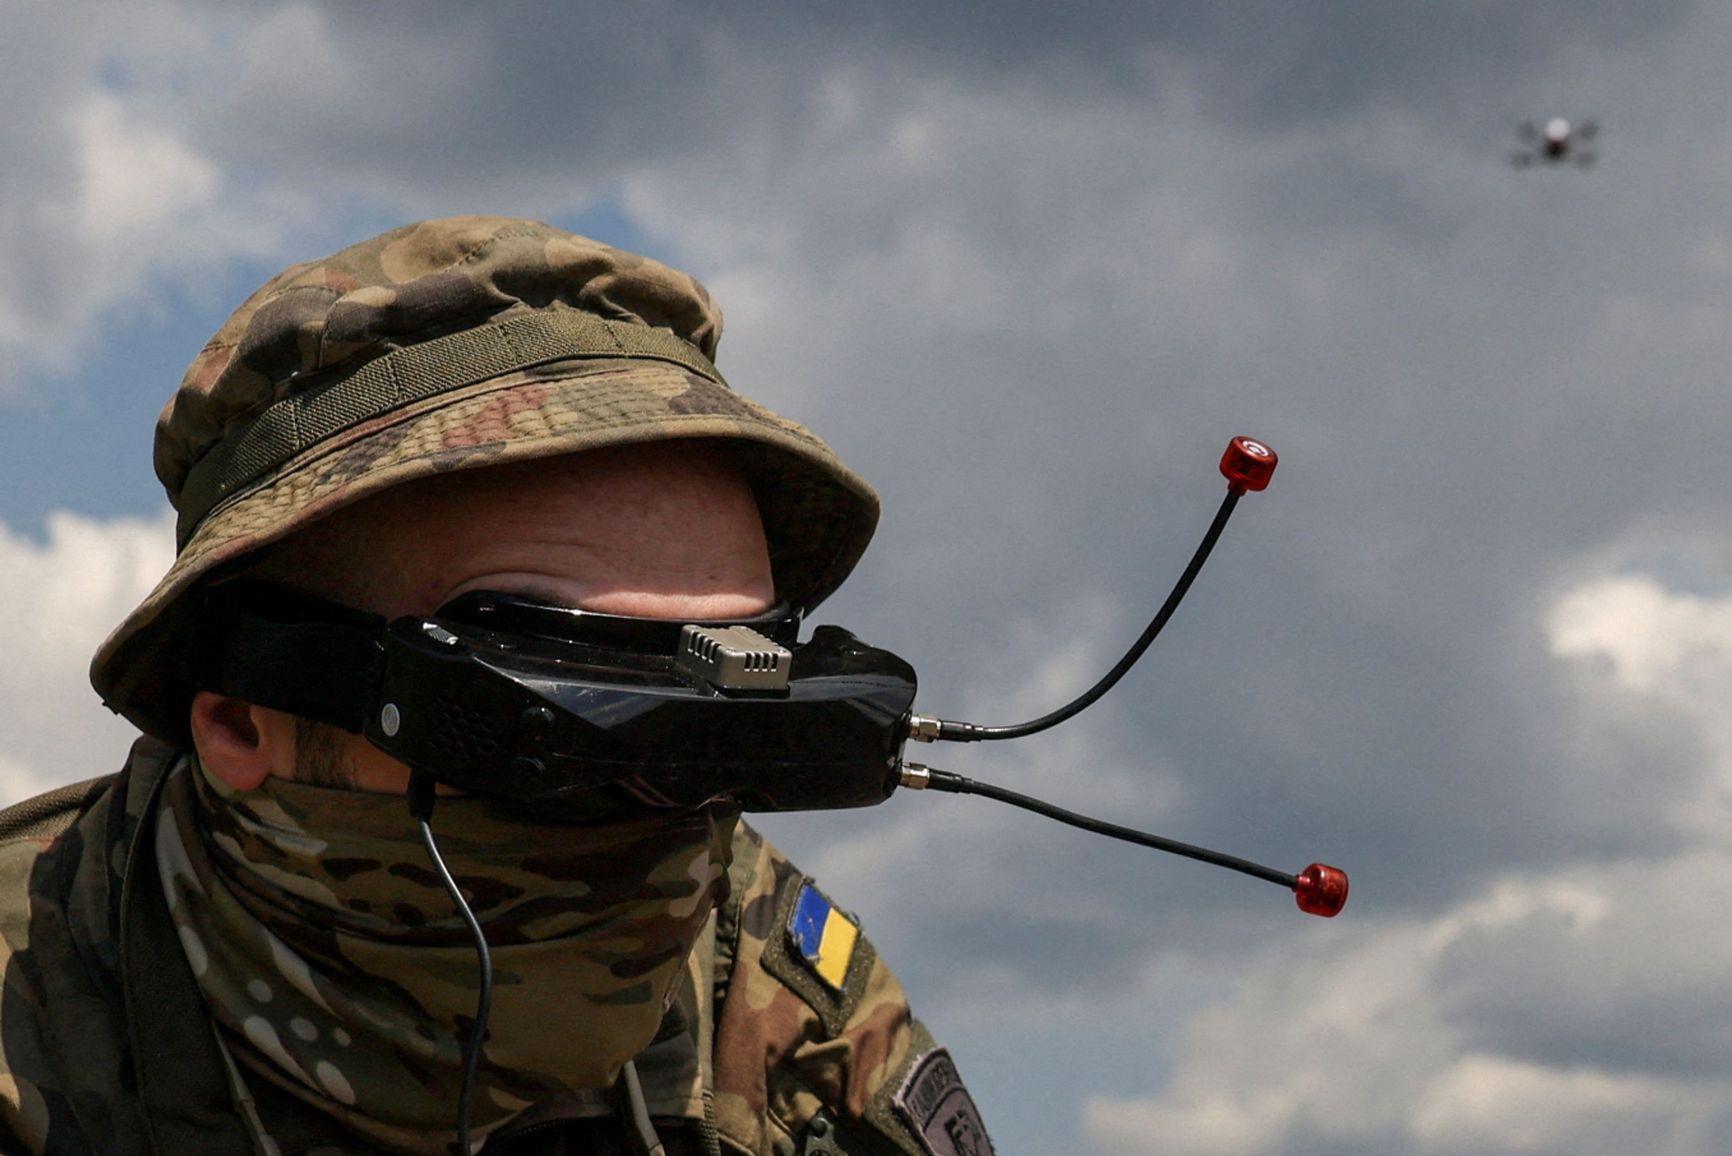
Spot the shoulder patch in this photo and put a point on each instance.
(939, 1110)
(822, 936)
(818, 952)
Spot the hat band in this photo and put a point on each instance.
(403, 376)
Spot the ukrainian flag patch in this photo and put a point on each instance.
(822, 936)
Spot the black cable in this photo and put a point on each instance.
(959, 785)
(971, 732)
(421, 807)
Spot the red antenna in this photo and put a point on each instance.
(1321, 890)
(1248, 464)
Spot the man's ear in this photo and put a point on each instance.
(238, 742)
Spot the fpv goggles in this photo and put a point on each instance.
(507, 696)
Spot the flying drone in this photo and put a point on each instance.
(1557, 142)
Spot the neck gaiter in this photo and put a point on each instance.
(335, 965)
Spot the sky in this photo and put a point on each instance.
(1028, 267)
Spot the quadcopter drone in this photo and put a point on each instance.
(1557, 142)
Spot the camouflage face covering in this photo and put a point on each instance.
(333, 961)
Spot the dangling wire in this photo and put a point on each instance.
(640, 1117)
(421, 797)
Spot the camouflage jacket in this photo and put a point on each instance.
(105, 1045)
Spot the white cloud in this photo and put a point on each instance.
(63, 595)
(1324, 1040)
(1485, 1103)
(1573, 1011)
(1646, 640)
(1653, 639)
(134, 178)
(1403, 1038)
(109, 197)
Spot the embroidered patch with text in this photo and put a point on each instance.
(939, 1110)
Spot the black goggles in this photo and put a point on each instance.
(506, 696)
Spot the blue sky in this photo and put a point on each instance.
(1029, 268)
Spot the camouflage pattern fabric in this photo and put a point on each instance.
(106, 1044)
(332, 958)
(789, 1049)
(451, 345)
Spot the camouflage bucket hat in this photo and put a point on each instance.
(450, 345)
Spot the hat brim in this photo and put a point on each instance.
(818, 515)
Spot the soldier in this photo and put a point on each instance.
(237, 944)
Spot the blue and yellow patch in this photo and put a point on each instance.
(822, 936)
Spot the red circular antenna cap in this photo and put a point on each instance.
(1248, 464)
(1321, 890)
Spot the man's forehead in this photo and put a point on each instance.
(657, 518)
